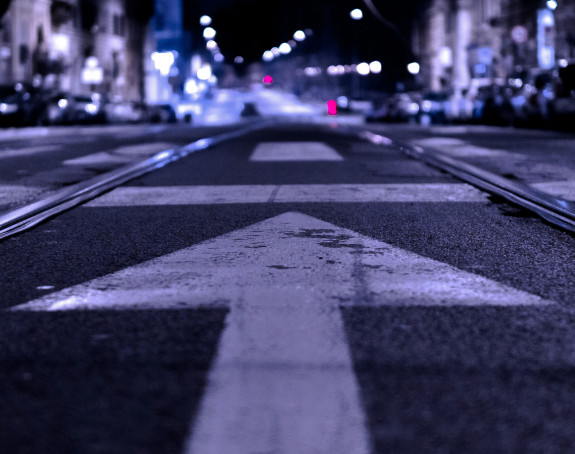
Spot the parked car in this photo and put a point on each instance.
(249, 109)
(125, 112)
(433, 107)
(20, 105)
(399, 107)
(65, 109)
(562, 106)
(161, 113)
(532, 102)
(493, 106)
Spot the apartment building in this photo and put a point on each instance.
(76, 45)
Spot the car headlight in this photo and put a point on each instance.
(413, 108)
(91, 108)
(8, 108)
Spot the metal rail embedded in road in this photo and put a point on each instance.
(554, 210)
(28, 216)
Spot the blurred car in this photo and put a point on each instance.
(433, 107)
(532, 101)
(20, 105)
(161, 113)
(125, 112)
(493, 105)
(400, 107)
(249, 109)
(562, 106)
(66, 109)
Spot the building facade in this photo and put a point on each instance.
(78, 46)
(464, 42)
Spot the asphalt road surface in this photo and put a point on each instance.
(294, 290)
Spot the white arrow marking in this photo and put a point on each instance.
(341, 193)
(283, 379)
(294, 151)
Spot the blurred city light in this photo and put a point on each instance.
(205, 20)
(332, 107)
(375, 67)
(299, 35)
(219, 58)
(209, 33)
(343, 102)
(268, 79)
(363, 69)
(285, 48)
(205, 72)
(413, 68)
(356, 14)
(163, 61)
(552, 4)
(268, 55)
(239, 60)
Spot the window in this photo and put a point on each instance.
(119, 26)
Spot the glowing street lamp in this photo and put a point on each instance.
(285, 48)
(375, 67)
(268, 55)
(356, 14)
(413, 68)
(299, 35)
(209, 33)
(363, 69)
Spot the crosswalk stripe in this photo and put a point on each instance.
(294, 151)
(120, 155)
(237, 194)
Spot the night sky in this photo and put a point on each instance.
(249, 27)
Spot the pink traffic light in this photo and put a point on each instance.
(332, 107)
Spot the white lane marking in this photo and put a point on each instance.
(294, 151)
(283, 379)
(28, 151)
(120, 154)
(563, 189)
(199, 195)
(461, 148)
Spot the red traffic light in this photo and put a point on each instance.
(332, 107)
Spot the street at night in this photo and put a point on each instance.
(208, 253)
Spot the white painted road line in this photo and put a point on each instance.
(121, 155)
(235, 194)
(563, 189)
(283, 380)
(301, 251)
(461, 149)
(294, 151)
(28, 151)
